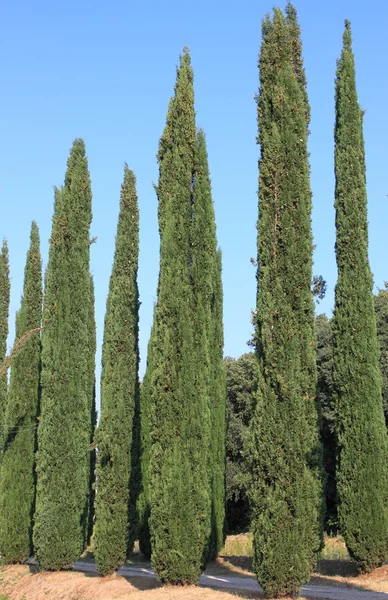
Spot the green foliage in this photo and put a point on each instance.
(17, 478)
(119, 391)
(64, 432)
(4, 314)
(209, 340)
(145, 449)
(93, 411)
(285, 492)
(217, 396)
(326, 413)
(362, 451)
(179, 486)
(381, 310)
(241, 378)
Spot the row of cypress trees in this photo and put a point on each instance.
(171, 449)
(166, 443)
(285, 453)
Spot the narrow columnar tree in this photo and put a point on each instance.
(4, 314)
(119, 390)
(17, 479)
(362, 451)
(179, 487)
(285, 488)
(64, 432)
(206, 274)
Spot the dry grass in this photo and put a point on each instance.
(19, 583)
(334, 569)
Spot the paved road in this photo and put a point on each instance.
(250, 584)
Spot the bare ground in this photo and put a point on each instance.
(336, 578)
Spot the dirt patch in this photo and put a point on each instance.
(18, 582)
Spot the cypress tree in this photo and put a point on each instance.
(285, 488)
(119, 390)
(179, 487)
(362, 453)
(64, 432)
(4, 314)
(17, 480)
(206, 274)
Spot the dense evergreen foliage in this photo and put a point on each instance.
(217, 395)
(4, 314)
(145, 449)
(286, 486)
(362, 451)
(381, 310)
(209, 340)
(327, 417)
(179, 486)
(64, 433)
(17, 479)
(93, 412)
(119, 390)
(240, 385)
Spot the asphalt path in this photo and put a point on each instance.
(326, 592)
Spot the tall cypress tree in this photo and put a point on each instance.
(180, 416)
(4, 314)
(206, 274)
(362, 452)
(119, 390)
(63, 459)
(285, 488)
(17, 480)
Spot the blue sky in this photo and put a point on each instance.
(105, 71)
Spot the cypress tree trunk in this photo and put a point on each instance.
(119, 390)
(17, 480)
(180, 416)
(4, 314)
(362, 453)
(206, 274)
(63, 459)
(286, 489)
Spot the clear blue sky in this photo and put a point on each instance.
(105, 71)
